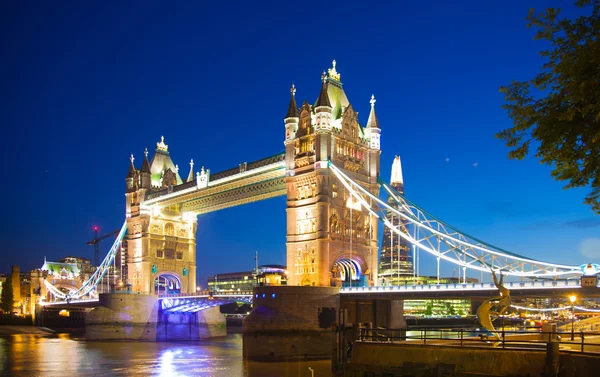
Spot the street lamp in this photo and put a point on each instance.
(572, 298)
(312, 372)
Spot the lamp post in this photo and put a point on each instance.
(312, 372)
(572, 298)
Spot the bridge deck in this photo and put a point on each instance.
(557, 288)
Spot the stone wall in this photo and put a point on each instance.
(123, 317)
(137, 317)
(284, 324)
(418, 360)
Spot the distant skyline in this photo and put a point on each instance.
(87, 84)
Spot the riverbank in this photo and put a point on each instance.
(13, 330)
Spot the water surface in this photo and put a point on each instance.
(34, 355)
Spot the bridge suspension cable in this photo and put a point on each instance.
(445, 241)
(88, 288)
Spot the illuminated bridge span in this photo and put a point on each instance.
(329, 173)
(247, 183)
(546, 289)
(421, 229)
(428, 233)
(196, 303)
(88, 290)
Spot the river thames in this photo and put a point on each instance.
(62, 355)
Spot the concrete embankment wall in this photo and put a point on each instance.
(284, 324)
(138, 317)
(378, 359)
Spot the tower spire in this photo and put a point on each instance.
(372, 122)
(145, 164)
(131, 171)
(397, 181)
(292, 108)
(191, 176)
(323, 99)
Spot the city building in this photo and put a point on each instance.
(21, 290)
(396, 256)
(437, 308)
(245, 281)
(272, 274)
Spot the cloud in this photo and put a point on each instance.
(590, 248)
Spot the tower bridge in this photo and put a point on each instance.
(330, 175)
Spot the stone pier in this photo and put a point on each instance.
(284, 324)
(122, 316)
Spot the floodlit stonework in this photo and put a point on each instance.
(330, 238)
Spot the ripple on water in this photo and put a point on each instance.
(61, 356)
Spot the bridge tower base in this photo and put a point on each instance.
(285, 323)
(123, 316)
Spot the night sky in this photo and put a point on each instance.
(84, 84)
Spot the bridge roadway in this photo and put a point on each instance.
(197, 302)
(542, 289)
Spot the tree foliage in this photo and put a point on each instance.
(7, 297)
(559, 109)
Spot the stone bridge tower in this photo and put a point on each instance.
(161, 244)
(331, 240)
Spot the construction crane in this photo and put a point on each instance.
(96, 243)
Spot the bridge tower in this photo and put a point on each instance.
(331, 240)
(161, 244)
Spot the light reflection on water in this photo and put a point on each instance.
(31, 355)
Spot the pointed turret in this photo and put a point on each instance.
(397, 181)
(145, 176)
(292, 118)
(323, 100)
(372, 122)
(292, 108)
(372, 131)
(146, 163)
(130, 176)
(323, 108)
(191, 177)
(131, 171)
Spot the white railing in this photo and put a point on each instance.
(455, 287)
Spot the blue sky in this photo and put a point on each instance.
(87, 83)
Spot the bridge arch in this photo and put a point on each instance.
(347, 269)
(167, 283)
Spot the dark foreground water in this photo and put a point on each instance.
(33, 355)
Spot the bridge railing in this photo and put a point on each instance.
(531, 339)
(572, 283)
(205, 294)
